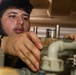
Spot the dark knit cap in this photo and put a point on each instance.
(21, 4)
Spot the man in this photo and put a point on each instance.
(18, 41)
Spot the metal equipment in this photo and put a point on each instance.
(58, 57)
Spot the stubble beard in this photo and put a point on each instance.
(3, 33)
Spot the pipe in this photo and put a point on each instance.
(58, 46)
(57, 31)
(50, 21)
(51, 61)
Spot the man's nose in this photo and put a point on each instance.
(20, 21)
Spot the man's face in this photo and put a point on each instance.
(15, 21)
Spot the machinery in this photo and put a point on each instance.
(58, 57)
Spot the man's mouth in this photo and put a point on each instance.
(18, 31)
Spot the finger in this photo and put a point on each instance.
(30, 57)
(35, 39)
(69, 36)
(75, 39)
(33, 49)
(25, 60)
(66, 36)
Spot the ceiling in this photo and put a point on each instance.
(52, 12)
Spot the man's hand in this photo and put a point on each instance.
(72, 36)
(26, 46)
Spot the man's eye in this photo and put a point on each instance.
(25, 18)
(12, 16)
